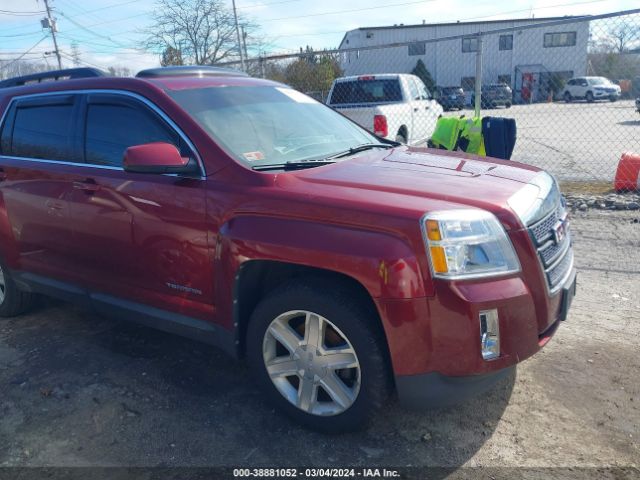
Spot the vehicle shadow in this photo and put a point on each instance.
(202, 409)
(630, 123)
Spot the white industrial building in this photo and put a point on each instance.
(526, 59)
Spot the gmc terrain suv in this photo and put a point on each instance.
(240, 212)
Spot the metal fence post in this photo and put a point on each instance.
(478, 83)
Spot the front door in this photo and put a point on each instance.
(138, 235)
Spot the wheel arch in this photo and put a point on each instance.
(257, 278)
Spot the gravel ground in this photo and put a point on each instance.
(79, 390)
(575, 141)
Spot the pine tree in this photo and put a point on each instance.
(423, 74)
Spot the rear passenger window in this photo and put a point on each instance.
(43, 131)
(112, 128)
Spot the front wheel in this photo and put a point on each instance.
(567, 97)
(318, 356)
(589, 97)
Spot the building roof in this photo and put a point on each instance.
(450, 24)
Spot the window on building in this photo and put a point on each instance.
(468, 83)
(470, 44)
(417, 48)
(560, 39)
(44, 131)
(506, 42)
(506, 78)
(369, 34)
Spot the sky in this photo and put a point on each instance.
(108, 31)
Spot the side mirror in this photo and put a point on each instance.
(157, 157)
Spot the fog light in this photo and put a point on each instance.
(489, 334)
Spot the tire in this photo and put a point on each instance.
(589, 97)
(567, 97)
(612, 99)
(13, 301)
(507, 105)
(363, 387)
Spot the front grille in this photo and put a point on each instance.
(555, 257)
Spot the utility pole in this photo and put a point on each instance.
(244, 46)
(478, 85)
(52, 26)
(235, 16)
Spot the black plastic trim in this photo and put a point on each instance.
(431, 390)
(121, 309)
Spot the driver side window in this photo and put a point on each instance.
(113, 126)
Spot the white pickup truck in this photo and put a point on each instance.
(396, 106)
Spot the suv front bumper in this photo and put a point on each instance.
(435, 343)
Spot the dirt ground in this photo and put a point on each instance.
(80, 390)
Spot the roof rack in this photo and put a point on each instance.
(189, 71)
(54, 75)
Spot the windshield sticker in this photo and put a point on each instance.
(295, 95)
(253, 156)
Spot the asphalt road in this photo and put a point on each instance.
(80, 390)
(575, 141)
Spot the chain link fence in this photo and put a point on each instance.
(570, 84)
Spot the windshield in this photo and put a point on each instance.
(599, 81)
(266, 125)
(366, 91)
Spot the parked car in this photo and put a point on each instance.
(590, 89)
(393, 106)
(494, 95)
(450, 97)
(240, 212)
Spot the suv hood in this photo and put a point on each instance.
(419, 180)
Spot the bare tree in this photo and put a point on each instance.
(202, 32)
(623, 35)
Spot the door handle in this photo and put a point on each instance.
(88, 185)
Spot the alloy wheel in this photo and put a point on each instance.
(311, 363)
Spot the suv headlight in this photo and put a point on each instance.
(468, 244)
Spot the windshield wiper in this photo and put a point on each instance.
(316, 162)
(359, 148)
(294, 165)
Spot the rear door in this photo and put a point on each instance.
(38, 161)
(137, 235)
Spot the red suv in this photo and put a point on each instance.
(240, 212)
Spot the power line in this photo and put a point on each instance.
(347, 11)
(25, 53)
(86, 29)
(20, 14)
(21, 35)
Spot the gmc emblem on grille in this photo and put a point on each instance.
(559, 231)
